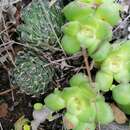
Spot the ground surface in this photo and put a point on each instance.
(14, 104)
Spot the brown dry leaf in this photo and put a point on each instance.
(3, 110)
(68, 124)
(120, 116)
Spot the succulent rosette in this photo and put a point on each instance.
(30, 75)
(39, 20)
(83, 106)
(89, 26)
(115, 67)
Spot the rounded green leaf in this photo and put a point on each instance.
(85, 92)
(71, 28)
(109, 13)
(76, 10)
(79, 79)
(104, 81)
(102, 52)
(38, 106)
(121, 94)
(123, 76)
(103, 30)
(104, 113)
(70, 44)
(71, 92)
(54, 102)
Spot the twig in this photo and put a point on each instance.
(1, 126)
(60, 60)
(87, 64)
(7, 91)
(121, 23)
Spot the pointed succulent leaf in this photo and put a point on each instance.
(39, 19)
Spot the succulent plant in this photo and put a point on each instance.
(30, 75)
(115, 67)
(89, 26)
(42, 23)
(83, 106)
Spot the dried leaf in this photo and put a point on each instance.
(20, 123)
(3, 110)
(120, 116)
(68, 124)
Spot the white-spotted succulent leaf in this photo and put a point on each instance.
(41, 23)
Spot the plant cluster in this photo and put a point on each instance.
(116, 67)
(89, 26)
(84, 107)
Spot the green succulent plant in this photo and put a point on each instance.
(89, 26)
(30, 75)
(115, 67)
(42, 23)
(83, 106)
